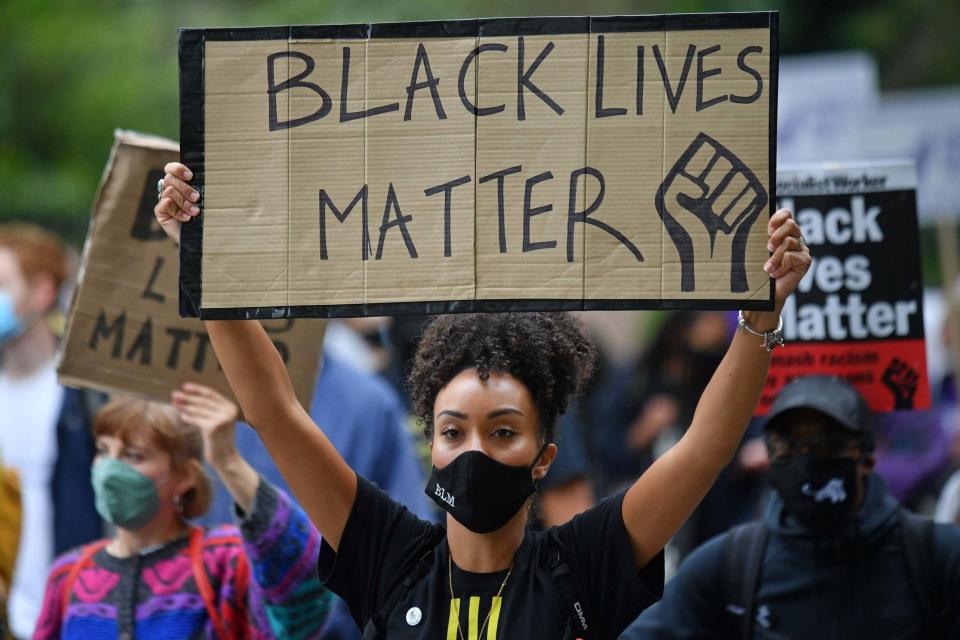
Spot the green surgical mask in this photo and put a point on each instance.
(124, 496)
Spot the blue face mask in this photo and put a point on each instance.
(11, 325)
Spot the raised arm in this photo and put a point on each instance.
(215, 416)
(319, 478)
(661, 500)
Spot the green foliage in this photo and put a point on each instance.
(72, 72)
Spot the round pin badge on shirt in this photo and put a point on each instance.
(414, 616)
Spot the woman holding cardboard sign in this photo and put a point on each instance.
(488, 389)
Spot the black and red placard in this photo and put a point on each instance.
(858, 313)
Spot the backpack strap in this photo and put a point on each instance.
(566, 582)
(86, 554)
(241, 578)
(196, 547)
(377, 625)
(744, 547)
(916, 534)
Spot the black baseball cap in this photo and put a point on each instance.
(830, 395)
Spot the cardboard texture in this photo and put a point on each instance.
(123, 332)
(503, 164)
(858, 313)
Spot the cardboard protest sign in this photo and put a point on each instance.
(502, 164)
(123, 332)
(858, 312)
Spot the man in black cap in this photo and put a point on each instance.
(835, 555)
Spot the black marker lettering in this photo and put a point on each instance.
(461, 82)
(674, 98)
(149, 293)
(179, 336)
(145, 227)
(447, 189)
(703, 74)
(283, 350)
(285, 325)
(501, 224)
(529, 212)
(104, 330)
(599, 110)
(574, 216)
(143, 344)
(430, 82)
(345, 114)
(401, 221)
(640, 81)
(326, 103)
(742, 63)
(200, 358)
(326, 201)
(523, 80)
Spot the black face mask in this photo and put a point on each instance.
(479, 492)
(819, 492)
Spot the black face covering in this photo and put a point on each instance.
(479, 492)
(819, 492)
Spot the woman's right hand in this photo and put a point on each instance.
(178, 201)
(214, 415)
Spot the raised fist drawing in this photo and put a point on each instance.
(708, 196)
(902, 380)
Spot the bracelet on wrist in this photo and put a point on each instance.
(769, 339)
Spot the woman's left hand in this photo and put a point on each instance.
(213, 414)
(791, 256)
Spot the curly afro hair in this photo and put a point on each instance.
(548, 352)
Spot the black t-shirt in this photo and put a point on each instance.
(383, 543)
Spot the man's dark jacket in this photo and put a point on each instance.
(75, 519)
(852, 586)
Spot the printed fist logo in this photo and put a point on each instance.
(902, 380)
(710, 196)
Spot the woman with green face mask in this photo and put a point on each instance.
(159, 575)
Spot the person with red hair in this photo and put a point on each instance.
(44, 427)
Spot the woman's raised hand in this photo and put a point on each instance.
(214, 415)
(178, 202)
(791, 257)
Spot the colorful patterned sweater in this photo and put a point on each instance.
(154, 595)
